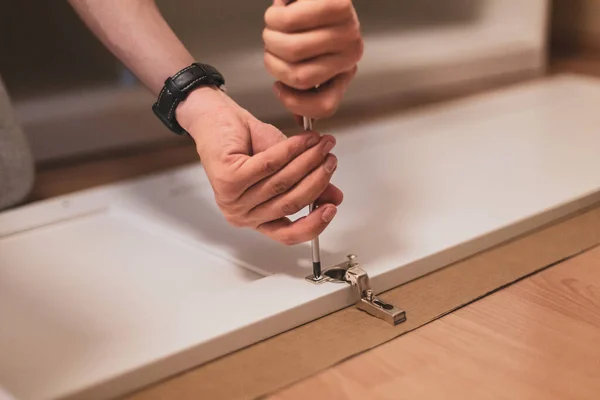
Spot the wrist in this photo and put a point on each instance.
(200, 102)
(198, 86)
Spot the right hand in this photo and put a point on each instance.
(258, 175)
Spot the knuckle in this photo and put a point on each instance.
(268, 63)
(326, 106)
(268, 16)
(234, 220)
(288, 239)
(355, 44)
(299, 79)
(290, 208)
(236, 223)
(356, 23)
(269, 167)
(228, 205)
(352, 38)
(224, 194)
(348, 7)
(295, 77)
(286, 22)
(225, 187)
(359, 45)
(295, 52)
(329, 106)
(344, 7)
(281, 187)
(291, 101)
(295, 148)
(354, 33)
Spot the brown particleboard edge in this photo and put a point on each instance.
(280, 361)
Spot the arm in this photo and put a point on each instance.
(259, 176)
(136, 33)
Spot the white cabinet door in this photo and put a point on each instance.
(112, 288)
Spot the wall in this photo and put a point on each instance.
(49, 49)
(411, 48)
(576, 25)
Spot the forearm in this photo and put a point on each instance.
(136, 32)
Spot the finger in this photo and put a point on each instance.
(307, 75)
(268, 162)
(319, 104)
(303, 229)
(331, 195)
(289, 176)
(300, 196)
(264, 136)
(296, 47)
(304, 15)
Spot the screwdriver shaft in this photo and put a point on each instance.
(314, 244)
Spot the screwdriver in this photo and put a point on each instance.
(314, 244)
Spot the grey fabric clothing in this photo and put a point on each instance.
(16, 162)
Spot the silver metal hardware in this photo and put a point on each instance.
(351, 260)
(314, 244)
(350, 272)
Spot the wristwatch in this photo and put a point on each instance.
(178, 87)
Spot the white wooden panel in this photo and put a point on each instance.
(113, 288)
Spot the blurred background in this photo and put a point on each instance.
(74, 99)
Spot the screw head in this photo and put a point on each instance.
(351, 260)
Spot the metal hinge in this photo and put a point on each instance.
(350, 272)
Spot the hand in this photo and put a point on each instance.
(259, 176)
(311, 43)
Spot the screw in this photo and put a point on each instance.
(351, 260)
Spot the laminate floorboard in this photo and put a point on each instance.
(536, 339)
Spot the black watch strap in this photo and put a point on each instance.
(179, 86)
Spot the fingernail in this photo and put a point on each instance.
(328, 146)
(329, 213)
(330, 164)
(313, 141)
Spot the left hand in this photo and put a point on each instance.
(312, 43)
(258, 175)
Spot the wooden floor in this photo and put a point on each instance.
(537, 339)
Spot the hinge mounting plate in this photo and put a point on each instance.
(351, 273)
